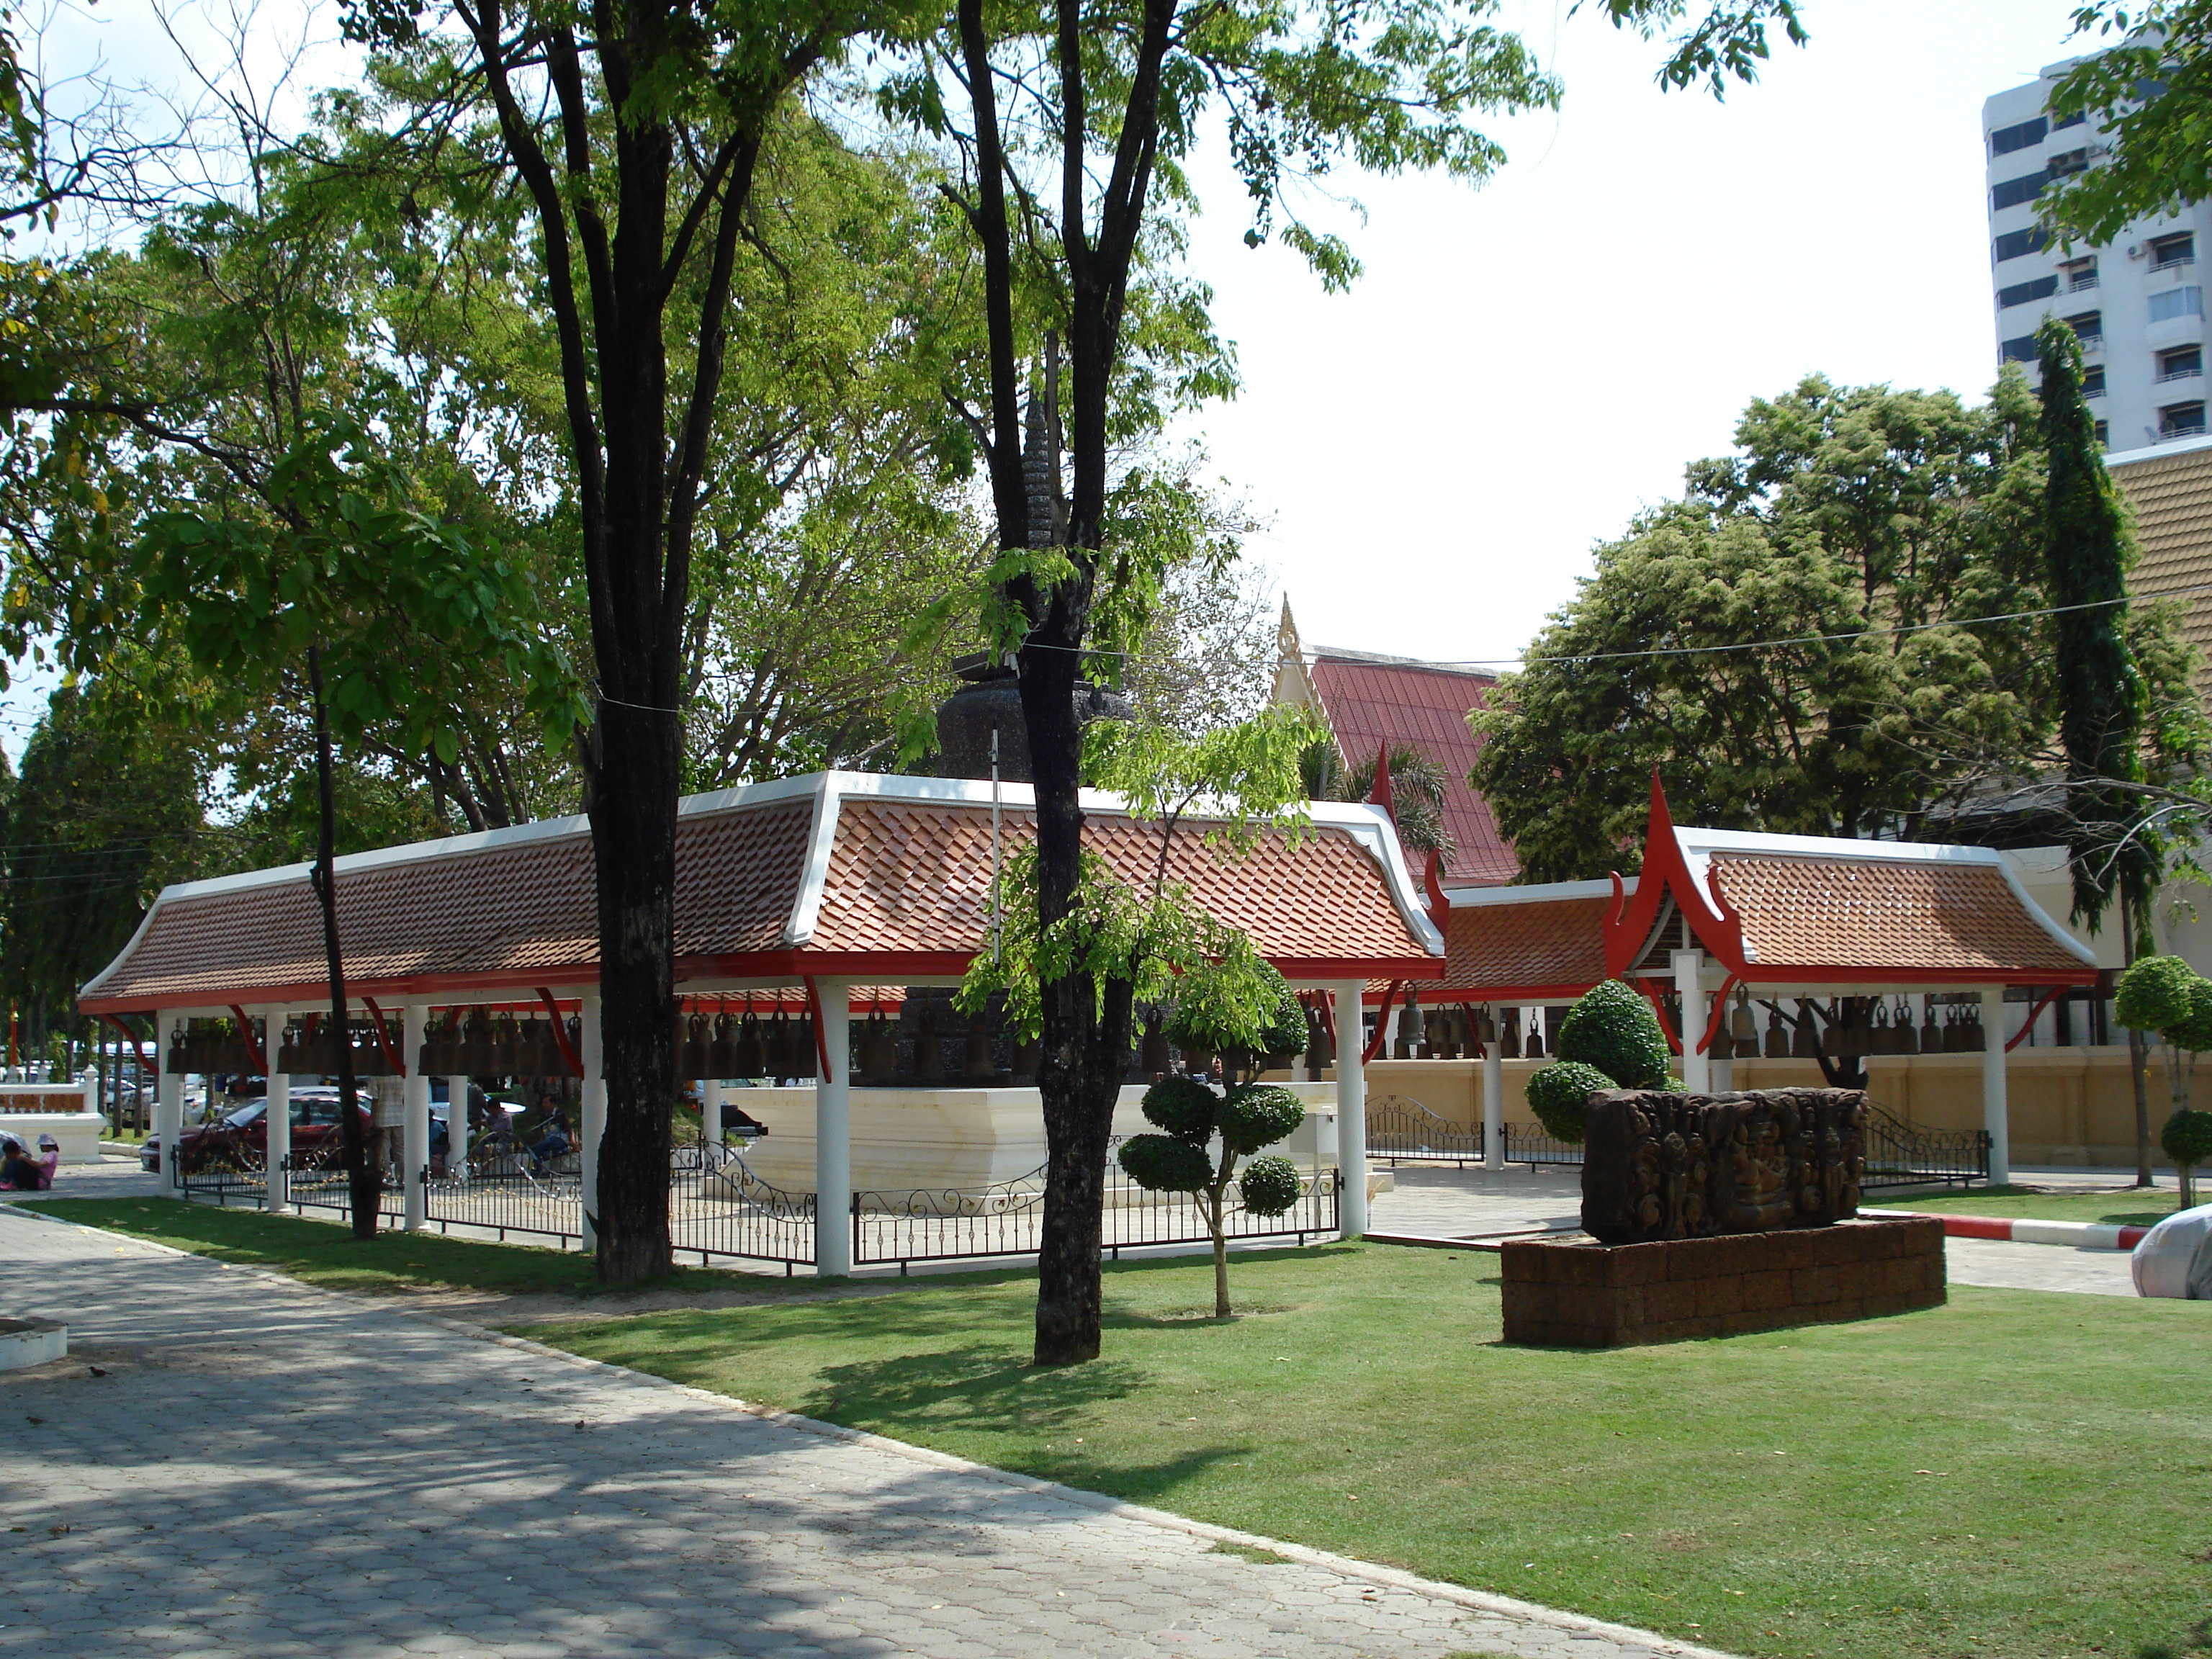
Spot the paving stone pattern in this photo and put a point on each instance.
(268, 1469)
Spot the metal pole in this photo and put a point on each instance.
(415, 1123)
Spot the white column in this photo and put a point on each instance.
(1351, 1108)
(278, 1118)
(169, 1102)
(713, 1091)
(833, 1134)
(1995, 1116)
(456, 1128)
(594, 1127)
(1493, 1103)
(1689, 985)
(414, 1124)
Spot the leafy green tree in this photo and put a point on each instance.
(1242, 1119)
(99, 820)
(1417, 789)
(1075, 132)
(1820, 638)
(1558, 1094)
(2165, 995)
(2115, 849)
(2149, 89)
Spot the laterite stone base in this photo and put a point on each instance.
(1617, 1296)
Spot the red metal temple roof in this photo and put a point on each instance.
(1369, 703)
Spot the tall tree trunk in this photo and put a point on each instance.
(633, 799)
(2138, 1061)
(364, 1185)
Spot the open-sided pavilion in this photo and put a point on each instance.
(1713, 912)
(823, 884)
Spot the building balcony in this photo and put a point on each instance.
(2195, 372)
(2175, 264)
(2086, 279)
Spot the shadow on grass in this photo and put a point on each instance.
(2196, 1639)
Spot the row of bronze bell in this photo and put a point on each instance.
(968, 1059)
(728, 1045)
(207, 1047)
(308, 1051)
(1869, 1029)
(483, 1045)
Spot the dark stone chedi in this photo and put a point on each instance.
(991, 700)
(1658, 1166)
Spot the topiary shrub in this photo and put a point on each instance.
(1247, 1117)
(2153, 993)
(1164, 1164)
(1613, 1028)
(2187, 1139)
(1270, 1185)
(1559, 1097)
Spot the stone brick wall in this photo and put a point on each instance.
(1600, 1296)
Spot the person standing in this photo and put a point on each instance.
(387, 1122)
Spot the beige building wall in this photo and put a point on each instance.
(2072, 1106)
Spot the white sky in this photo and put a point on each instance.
(1523, 366)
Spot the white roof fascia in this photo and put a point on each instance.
(1468, 898)
(814, 875)
(1371, 826)
(91, 986)
(2043, 917)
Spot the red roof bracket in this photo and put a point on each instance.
(137, 1042)
(561, 1032)
(254, 1051)
(384, 1037)
(1664, 871)
(1720, 1012)
(821, 1039)
(1382, 795)
(2028, 1024)
(1659, 1007)
(1381, 1024)
(1431, 881)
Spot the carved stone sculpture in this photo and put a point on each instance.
(1688, 1166)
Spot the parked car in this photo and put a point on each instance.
(314, 1121)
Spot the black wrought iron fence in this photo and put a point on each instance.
(1405, 1131)
(504, 1190)
(948, 1224)
(1901, 1154)
(718, 1208)
(223, 1175)
(316, 1180)
(1532, 1144)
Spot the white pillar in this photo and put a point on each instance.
(594, 1127)
(833, 1134)
(278, 1120)
(1493, 1103)
(456, 1128)
(1995, 1116)
(713, 1091)
(1689, 985)
(414, 1124)
(1351, 1108)
(169, 1102)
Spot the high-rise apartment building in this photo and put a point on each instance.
(2138, 304)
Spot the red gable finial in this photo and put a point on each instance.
(1432, 880)
(1381, 795)
(1707, 915)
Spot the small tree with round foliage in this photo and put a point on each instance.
(1610, 1039)
(1193, 1116)
(2165, 996)
(2187, 1139)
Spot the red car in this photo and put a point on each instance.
(242, 1138)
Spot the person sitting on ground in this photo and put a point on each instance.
(17, 1171)
(50, 1159)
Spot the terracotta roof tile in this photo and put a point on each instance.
(2172, 496)
(1371, 704)
(1546, 942)
(1883, 913)
(906, 875)
(910, 876)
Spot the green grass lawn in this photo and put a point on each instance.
(327, 1253)
(2123, 1208)
(2018, 1475)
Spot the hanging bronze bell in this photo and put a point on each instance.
(1974, 1035)
(1322, 1051)
(978, 1065)
(878, 1050)
(1509, 1036)
(1804, 1035)
(1778, 1035)
(1880, 1039)
(750, 1062)
(721, 1048)
(1931, 1030)
(805, 1049)
(1532, 1047)
(1904, 1038)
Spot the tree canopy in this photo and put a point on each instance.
(1823, 636)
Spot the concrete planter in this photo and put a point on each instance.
(31, 1342)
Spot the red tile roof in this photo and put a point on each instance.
(1370, 703)
(1921, 919)
(901, 887)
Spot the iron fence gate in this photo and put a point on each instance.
(1898, 1154)
(1405, 1131)
(1007, 1219)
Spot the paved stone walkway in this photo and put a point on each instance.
(267, 1469)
